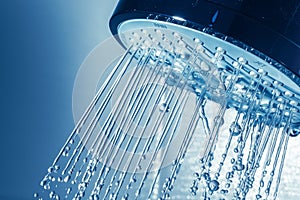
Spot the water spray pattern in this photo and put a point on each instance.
(162, 110)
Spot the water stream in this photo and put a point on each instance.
(172, 123)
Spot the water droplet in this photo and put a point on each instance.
(60, 179)
(43, 182)
(133, 179)
(261, 183)
(95, 197)
(193, 191)
(235, 150)
(235, 129)
(206, 176)
(69, 190)
(56, 167)
(81, 194)
(224, 191)
(238, 167)
(67, 178)
(47, 186)
(293, 132)
(65, 153)
(112, 196)
(51, 195)
(213, 185)
(267, 191)
(164, 107)
(82, 186)
(35, 195)
(129, 186)
(50, 169)
(232, 160)
(56, 197)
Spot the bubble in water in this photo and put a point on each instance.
(235, 129)
(35, 195)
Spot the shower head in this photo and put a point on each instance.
(262, 36)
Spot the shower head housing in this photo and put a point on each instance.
(271, 27)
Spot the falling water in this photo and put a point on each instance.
(171, 105)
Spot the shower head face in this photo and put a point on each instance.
(228, 60)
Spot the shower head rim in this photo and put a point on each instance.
(243, 30)
(144, 23)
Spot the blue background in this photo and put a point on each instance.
(43, 43)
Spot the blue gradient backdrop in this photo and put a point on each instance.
(43, 43)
